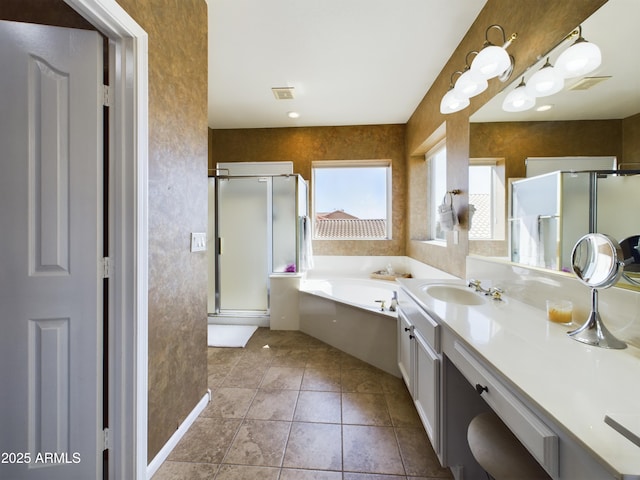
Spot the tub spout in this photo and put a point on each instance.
(394, 302)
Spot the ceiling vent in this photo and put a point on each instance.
(587, 82)
(283, 93)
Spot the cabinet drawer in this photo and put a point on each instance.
(428, 328)
(537, 437)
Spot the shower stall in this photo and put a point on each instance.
(258, 213)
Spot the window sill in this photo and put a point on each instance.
(435, 243)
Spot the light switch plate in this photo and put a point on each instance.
(198, 242)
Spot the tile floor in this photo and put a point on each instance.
(301, 410)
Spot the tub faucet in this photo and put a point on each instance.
(381, 302)
(394, 302)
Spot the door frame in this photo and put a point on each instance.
(128, 207)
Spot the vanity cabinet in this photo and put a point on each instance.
(448, 361)
(420, 363)
(405, 351)
(426, 390)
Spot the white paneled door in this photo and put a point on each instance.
(51, 228)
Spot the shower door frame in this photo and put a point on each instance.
(218, 311)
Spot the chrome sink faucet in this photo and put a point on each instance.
(475, 284)
(493, 292)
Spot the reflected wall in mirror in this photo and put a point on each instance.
(603, 120)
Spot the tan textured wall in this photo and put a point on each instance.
(515, 141)
(305, 145)
(539, 24)
(177, 32)
(631, 140)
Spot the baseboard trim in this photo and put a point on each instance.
(164, 452)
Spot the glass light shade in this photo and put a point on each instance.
(545, 82)
(470, 84)
(453, 102)
(579, 59)
(490, 62)
(518, 100)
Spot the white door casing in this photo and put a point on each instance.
(51, 218)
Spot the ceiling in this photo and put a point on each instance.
(613, 28)
(351, 62)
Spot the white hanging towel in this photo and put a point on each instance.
(306, 250)
(447, 216)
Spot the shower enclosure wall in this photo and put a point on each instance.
(551, 212)
(257, 223)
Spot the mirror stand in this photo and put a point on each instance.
(593, 332)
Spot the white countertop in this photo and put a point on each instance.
(576, 385)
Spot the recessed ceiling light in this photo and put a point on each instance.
(544, 108)
(293, 114)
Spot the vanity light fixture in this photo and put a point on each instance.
(545, 81)
(453, 101)
(519, 99)
(580, 58)
(492, 60)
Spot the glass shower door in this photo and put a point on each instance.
(243, 253)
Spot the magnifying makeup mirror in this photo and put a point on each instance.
(597, 261)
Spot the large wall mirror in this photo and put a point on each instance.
(597, 115)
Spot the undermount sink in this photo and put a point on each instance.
(453, 294)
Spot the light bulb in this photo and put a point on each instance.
(490, 62)
(579, 59)
(453, 102)
(518, 99)
(545, 81)
(470, 84)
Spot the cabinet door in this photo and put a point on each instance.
(405, 356)
(426, 393)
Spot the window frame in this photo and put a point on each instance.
(435, 196)
(336, 164)
(498, 197)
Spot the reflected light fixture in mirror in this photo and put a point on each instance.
(519, 99)
(580, 58)
(545, 81)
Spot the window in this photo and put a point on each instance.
(486, 199)
(437, 168)
(352, 200)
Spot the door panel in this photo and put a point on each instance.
(51, 227)
(243, 229)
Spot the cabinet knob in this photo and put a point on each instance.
(481, 388)
(406, 329)
(411, 336)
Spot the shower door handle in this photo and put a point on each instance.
(220, 242)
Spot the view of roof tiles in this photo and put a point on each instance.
(345, 228)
